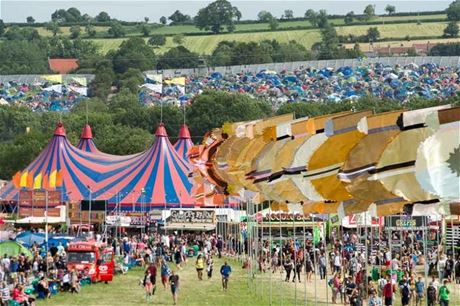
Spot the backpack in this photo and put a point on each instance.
(405, 291)
(431, 292)
(330, 282)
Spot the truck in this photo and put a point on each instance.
(91, 259)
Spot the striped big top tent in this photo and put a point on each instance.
(157, 177)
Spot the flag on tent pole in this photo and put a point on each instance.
(53, 78)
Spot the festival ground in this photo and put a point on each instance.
(125, 290)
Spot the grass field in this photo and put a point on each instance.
(206, 44)
(365, 47)
(260, 291)
(179, 29)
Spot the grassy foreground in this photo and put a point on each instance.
(205, 44)
(125, 290)
(264, 289)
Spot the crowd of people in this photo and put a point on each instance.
(307, 84)
(42, 95)
(355, 277)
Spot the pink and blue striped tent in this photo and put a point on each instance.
(157, 177)
(184, 143)
(86, 140)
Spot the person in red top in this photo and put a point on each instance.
(388, 291)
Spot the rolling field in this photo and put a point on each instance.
(179, 29)
(205, 44)
(403, 43)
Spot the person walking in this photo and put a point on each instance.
(225, 271)
(148, 286)
(431, 294)
(199, 264)
(165, 272)
(322, 266)
(444, 294)
(419, 291)
(209, 266)
(388, 291)
(174, 283)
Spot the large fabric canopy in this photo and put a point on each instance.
(157, 177)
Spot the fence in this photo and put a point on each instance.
(290, 66)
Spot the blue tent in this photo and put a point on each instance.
(27, 239)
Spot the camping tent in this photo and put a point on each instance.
(12, 248)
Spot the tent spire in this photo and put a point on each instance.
(184, 113)
(161, 112)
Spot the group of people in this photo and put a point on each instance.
(376, 274)
(307, 84)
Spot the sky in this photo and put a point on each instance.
(136, 10)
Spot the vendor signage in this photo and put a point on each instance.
(286, 217)
(128, 219)
(406, 222)
(192, 216)
(37, 198)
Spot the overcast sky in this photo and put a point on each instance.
(17, 10)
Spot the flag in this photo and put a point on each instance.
(53, 78)
(316, 235)
(17, 179)
(38, 181)
(23, 180)
(176, 81)
(52, 179)
(438, 162)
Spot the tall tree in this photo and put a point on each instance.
(273, 23)
(329, 42)
(133, 53)
(349, 17)
(451, 30)
(177, 18)
(30, 20)
(264, 16)
(157, 40)
(453, 11)
(53, 27)
(145, 29)
(90, 30)
(103, 17)
(312, 16)
(22, 57)
(369, 12)
(373, 34)
(116, 29)
(217, 15)
(288, 14)
(75, 31)
(178, 57)
(163, 20)
(390, 9)
(322, 19)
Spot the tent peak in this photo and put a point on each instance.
(184, 132)
(87, 132)
(59, 130)
(161, 131)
